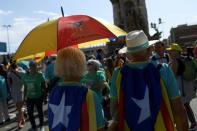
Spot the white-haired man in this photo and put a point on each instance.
(144, 97)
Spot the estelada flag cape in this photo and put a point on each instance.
(143, 100)
(71, 108)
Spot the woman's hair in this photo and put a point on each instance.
(95, 63)
(110, 65)
(70, 62)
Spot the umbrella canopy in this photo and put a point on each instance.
(76, 30)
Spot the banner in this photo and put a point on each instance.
(3, 47)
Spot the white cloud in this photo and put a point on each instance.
(195, 18)
(47, 13)
(25, 19)
(5, 12)
(20, 27)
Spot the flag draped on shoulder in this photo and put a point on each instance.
(140, 98)
(66, 104)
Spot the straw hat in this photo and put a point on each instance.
(136, 41)
(174, 47)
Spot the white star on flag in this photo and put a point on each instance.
(144, 104)
(61, 113)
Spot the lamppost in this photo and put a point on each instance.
(155, 26)
(8, 40)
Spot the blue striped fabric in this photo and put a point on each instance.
(142, 97)
(136, 48)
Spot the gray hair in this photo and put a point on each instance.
(96, 64)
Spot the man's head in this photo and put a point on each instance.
(137, 46)
(53, 57)
(33, 66)
(160, 48)
(93, 65)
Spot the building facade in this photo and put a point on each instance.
(185, 35)
(130, 15)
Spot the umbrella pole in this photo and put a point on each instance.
(62, 10)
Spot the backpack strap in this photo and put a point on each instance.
(167, 57)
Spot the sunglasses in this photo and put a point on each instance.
(89, 64)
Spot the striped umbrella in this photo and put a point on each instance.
(76, 30)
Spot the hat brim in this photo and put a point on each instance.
(125, 50)
(170, 49)
(152, 42)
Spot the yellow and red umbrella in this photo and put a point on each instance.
(75, 30)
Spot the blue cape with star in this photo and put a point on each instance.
(65, 104)
(142, 96)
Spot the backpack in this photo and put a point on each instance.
(190, 70)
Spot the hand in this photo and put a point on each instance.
(113, 127)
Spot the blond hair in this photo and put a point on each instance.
(70, 62)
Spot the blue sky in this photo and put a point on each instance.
(24, 15)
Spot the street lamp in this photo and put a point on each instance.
(155, 26)
(8, 40)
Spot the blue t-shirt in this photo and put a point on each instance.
(49, 72)
(166, 75)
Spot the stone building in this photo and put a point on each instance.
(130, 15)
(185, 35)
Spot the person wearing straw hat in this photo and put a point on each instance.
(185, 71)
(144, 97)
(175, 55)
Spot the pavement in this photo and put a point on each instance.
(12, 125)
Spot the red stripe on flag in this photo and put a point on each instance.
(84, 118)
(166, 116)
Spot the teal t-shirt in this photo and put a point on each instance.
(33, 84)
(91, 80)
(165, 72)
(49, 72)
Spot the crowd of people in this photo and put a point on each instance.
(143, 86)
